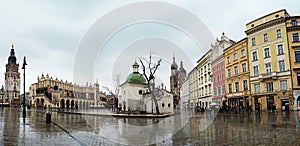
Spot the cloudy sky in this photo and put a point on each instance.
(53, 33)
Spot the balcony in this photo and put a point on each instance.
(272, 75)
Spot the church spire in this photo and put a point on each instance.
(12, 58)
(174, 65)
(181, 67)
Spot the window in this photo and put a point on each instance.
(243, 53)
(229, 72)
(205, 78)
(279, 49)
(223, 77)
(281, 65)
(208, 66)
(237, 88)
(236, 70)
(268, 67)
(267, 52)
(283, 85)
(297, 56)
(230, 88)
(223, 89)
(298, 79)
(235, 56)
(269, 86)
(228, 60)
(244, 67)
(201, 70)
(255, 71)
(245, 85)
(278, 33)
(256, 88)
(294, 22)
(254, 56)
(253, 42)
(295, 37)
(204, 68)
(219, 90)
(218, 79)
(215, 91)
(265, 37)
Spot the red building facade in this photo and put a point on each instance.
(218, 69)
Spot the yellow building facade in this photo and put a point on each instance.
(193, 87)
(293, 32)
(269, 65)
(237, 75)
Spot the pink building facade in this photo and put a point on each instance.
(218, 69)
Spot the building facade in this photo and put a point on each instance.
(204, 86)
(12, 80)
(270, 72)
(185, 93)
(237, 75)
(218, 68)
(193, 87)
(293, 31)
(49, 92)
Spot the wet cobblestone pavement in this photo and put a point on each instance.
(35, 132)
(182, 129)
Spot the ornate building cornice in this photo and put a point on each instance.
(265, 25)
(293, 28)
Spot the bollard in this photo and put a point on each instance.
(48, 117)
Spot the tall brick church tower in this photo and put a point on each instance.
(176, 80)
(12, 80)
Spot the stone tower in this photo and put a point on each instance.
(12, 80)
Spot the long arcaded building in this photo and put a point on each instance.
(49, 92)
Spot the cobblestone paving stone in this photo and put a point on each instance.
(92, 139)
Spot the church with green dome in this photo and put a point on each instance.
(133, 97)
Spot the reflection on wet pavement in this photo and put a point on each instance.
(182, 129)
(34, 132)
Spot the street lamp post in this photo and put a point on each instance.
(2, 93)
(24, 108)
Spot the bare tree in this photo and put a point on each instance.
(152, 68)
(117, 86)
(114, 102)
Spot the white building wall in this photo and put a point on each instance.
(185, 92)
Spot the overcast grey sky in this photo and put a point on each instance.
(50, 32)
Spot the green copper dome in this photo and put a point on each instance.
(136, 77)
